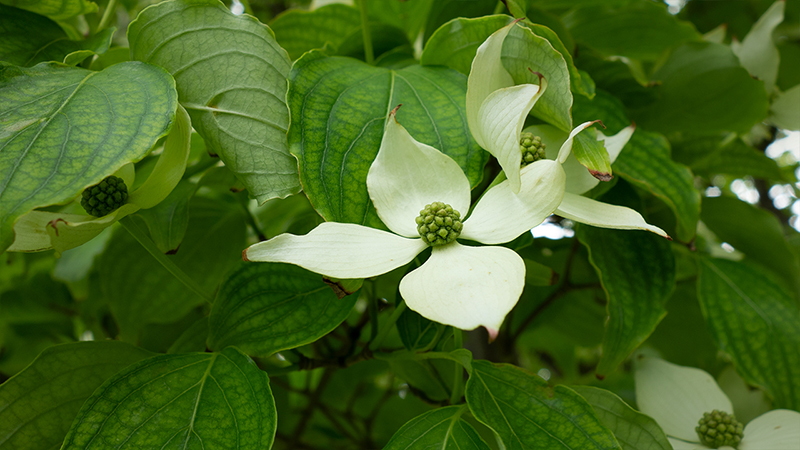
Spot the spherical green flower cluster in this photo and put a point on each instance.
(105, 197)
(439, 224)
(531, 147)
(719, 428)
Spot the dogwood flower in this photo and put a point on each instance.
(496, 112)
(681, 398)
(422, 196)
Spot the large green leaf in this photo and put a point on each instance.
(267, 307)
(56, 138)
(141, 291)
(339, 106)
(37, 405)
(737, 159)
(737, 223)
(633, 430)
(299, 31)
(755, 321)
(697, 80)
(210, 401)
(637, 271)
(529, 414)
(645, 161)
(524, 53)
(49, 43)
(642, 29)
(168, 220)
(55, 9)
(231, 78)
(441, 428)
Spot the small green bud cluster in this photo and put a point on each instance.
(439, 224)
(105, 197)
(531, 147)
(719, 428)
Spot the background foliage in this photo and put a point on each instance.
(144, 329)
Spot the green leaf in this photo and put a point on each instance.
(737, 159)
(55, 9)
(409, 15)
(524, 53)
(697, 79)
(267, 307)
(193, 339)
(339, 106)
(415, 331)
(299, 31)
(592, 154)
(783, 111)
(517, 8)
(757, 51)
(633, 430)
(231, 78)
(441, 428)
(49, 43)
(641, 30)
(168, 220)
(37, 405)
(56, 139)
(737, 223)
(537, 274)
(637, 271)
(193, 401)
(580, 81)
(443, 11)
(528, 414)
(755, 321)
(140, 291)
(455, 43)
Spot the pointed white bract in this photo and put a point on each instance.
(676, 397)
(591, 212)
(407, 175)
(496, 109)
(465, 287)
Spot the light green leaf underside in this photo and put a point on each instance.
(56, 138)
(55, 9)
(37, 405)
(591, 153)
(339, 106)
(784, 112)
(140, 291)
(231, 78)
(528, 414)
(633, 430)
(755, 321)
(49, 42)
(525, 53)
(299, 31)
(267, 307)
(209, 401)
(441, 429)
(455, 43)
(637, 271)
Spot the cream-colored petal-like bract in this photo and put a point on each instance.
(340, 250)
(676, 396)
(500, 120)
(486, 75)
(678, 444)
(603, 215)
(615, 143)
(501, 216)
(778, 429)
(407, 175)
(466, 287)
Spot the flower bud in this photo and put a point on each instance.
(718, 428)
(438, 224)
(104, 197)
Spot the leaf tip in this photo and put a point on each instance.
(244, 256)
(393, 112)
(602, 176)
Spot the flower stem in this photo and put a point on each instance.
(368, 54)
(376, 343)
(458, 378)
(109, 12)
(150, 246)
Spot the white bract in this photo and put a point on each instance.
(458, 285)
(676, 397)
(496, 112)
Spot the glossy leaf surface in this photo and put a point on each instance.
(441, 428)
